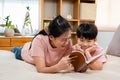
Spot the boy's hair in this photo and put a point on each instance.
(87, 30)
(58, 26)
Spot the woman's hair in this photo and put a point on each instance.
(87, 30)
(58, 26)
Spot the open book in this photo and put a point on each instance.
(79, 61)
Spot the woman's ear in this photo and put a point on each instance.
(95, 39)
(51, 37)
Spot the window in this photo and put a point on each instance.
(16, 9)
(108, 15)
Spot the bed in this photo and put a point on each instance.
(13, 69)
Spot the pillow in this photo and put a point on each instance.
(114, 46)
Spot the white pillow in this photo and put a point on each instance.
(114, 46)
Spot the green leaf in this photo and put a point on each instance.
(12, 27)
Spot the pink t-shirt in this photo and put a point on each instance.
(41, 47)
(97, 51)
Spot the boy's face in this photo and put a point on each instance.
(86, 43)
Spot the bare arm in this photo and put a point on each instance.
(95, 65)
(63, 64)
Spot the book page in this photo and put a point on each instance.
(94, 57)
(90, 60)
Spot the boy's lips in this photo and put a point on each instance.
(84, 47)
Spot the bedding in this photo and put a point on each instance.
(13, 69)
(114, 46)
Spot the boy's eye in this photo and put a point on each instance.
(65, 39)
(89, 41)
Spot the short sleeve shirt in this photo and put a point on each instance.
(97, 51)
(40, 46)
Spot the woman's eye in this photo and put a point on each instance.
(81, 40)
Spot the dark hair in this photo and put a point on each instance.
(58, 26)
(87, 30)
(41, 32)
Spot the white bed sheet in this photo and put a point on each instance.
(13, 69)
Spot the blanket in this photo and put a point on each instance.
(13, 69)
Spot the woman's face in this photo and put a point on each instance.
(60, 41)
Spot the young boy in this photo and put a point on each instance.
(87, 45)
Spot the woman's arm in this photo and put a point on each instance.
(63, 64)
(41, 66)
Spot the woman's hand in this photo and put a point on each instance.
(65, 64)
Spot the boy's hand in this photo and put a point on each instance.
(78, 47)
(91, 49)
(88, 51)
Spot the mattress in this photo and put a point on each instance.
(13, 69)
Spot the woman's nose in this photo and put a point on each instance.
(66, 42)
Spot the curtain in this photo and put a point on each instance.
(108, 15)
(16, 9)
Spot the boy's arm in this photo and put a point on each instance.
(93, 62)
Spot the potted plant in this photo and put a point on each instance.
(9, 30)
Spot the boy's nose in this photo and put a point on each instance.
(85, 43)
